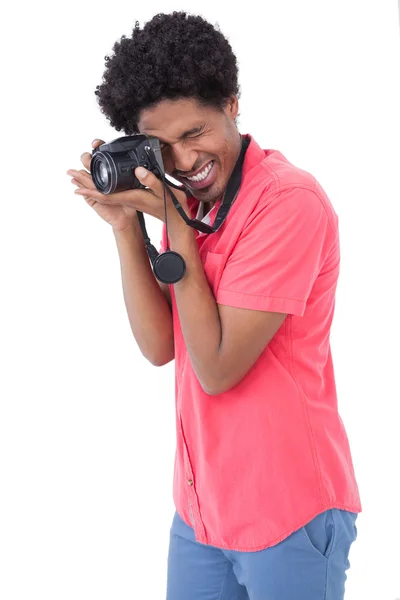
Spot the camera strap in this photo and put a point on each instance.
(229, 196)
(169, 267)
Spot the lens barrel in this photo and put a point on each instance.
(113, 172)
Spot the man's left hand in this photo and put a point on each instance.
(149, 201)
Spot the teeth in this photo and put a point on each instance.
(203, 174)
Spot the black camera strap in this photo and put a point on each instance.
(170, 267)
(229, 196)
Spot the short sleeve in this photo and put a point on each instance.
(279, 254)
(163, 242)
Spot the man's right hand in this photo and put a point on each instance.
(118, 216)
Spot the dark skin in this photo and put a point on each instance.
(217, 139)
(223, 342)
(191, 136)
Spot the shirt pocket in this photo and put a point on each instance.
(213, 267)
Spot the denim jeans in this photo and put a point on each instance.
(310, 564)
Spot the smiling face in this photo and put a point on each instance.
(200, 144)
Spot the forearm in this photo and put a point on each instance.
(148, 311)
(196, 305)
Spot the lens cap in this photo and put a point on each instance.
(169, 267)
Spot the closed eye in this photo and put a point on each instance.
(190, 135)
(195, 134)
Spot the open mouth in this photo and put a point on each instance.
(203, 179)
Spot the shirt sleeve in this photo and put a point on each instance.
(163, 242)
(279, 254)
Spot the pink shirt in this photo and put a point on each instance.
(259, 461)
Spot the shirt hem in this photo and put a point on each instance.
(356, 508)
(267, 303)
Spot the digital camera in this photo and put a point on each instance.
(113, 164)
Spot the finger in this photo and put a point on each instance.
(156, 186)
(82, 174)
(79, 186)
(148, 179)
(96, 195)
(133, 198)
(86, 178)
(83, 177)
(86, 157)
(77, 183)
(97, 143)
(90, 201)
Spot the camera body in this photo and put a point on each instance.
(112, 168)
(113, 164)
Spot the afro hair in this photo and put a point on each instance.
(173, 56)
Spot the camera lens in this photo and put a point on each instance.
(103, 173)
(113, 170)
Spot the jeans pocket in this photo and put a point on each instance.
(319, 534)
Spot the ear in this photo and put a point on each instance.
(232, 107)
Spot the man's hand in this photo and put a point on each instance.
(149, 201)
(119, 217)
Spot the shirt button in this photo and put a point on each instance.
(190, 482)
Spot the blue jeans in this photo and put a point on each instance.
(310, 564)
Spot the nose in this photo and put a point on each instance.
(184, 159)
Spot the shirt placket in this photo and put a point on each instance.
(193, 502)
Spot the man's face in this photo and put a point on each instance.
(196, 141)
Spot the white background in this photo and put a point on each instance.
(87, 429)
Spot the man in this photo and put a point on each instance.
(264, 484)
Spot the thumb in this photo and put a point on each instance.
(141, 173)
(149, 180)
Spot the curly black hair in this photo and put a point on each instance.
(174, 56)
